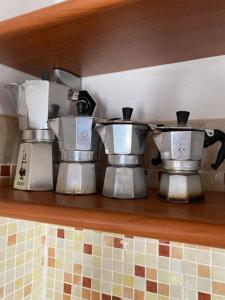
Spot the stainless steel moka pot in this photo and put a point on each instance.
(181, 148)
(34, 101)
(124, 142)
(79, 147)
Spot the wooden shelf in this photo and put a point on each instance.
(202, 224)
(92, 37)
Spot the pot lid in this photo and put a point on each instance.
(182, 120)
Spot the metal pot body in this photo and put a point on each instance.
(180, 145)
(77, 134)
(124, 139)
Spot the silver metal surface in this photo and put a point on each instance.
(123, 138)
(125, 183)
(75, 133)
(76, 178)
(78, 156)
(181, 188)
(68, 79)
(180, 145)
(34, 167)
(125, 160)
(38, 135)
(182, 165)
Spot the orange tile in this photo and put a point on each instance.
(66, 297)
(127, 293)
(203, 271)
(95, 295)
(218, 288)
(86, 294)
(51, 262)
(51, 252)
(76, 279)
(176, 252)
(77, 268)
(204, 296)
(108, 241)
(1, 292)
(138, 295)
(11, 239)
(68, 277)
(163, 289)
(151, 274)
(27, 290)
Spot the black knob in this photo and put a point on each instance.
(81, 107)
(83, 96)
(55, 111)
(127, 112)
(182, 117)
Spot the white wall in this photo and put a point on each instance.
(156, 93)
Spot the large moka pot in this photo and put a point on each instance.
(124, 142)
(181, 148)
(79, 147)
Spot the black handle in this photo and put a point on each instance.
(54, 111)
(219, 136)
(84, 97)
(158, 160)
(182, 117)
(127, 112)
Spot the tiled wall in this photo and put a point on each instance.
(49, 262)
(22, 246)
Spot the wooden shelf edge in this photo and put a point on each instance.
(56, 14)
(199, 233)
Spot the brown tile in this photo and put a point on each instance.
(5, 170)
(87, 282)
(66, 297)
(203, 296)
(139, 271)
(118, 243)
(129, 236)
(60, 233)
(203, 271)
(218, 288)
(163, 289)
(77, 268)
(67, 288)
(151, 274)
(27, 290)
(88, 248)
(106, 297)
(108, 241)
(138, 295)
(116, 298)
(68, 277)
(51, 252)
(86, 294)
(164, 250)
(151, 286)
(51, 262)
(127, 293)
(95, 295)
(76, 279)
(11, 240)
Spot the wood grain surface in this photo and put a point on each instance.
(93, 37)
(202, 224)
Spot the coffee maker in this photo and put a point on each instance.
(79, 147)
(124, 142)
(181, 148)
(35, 100)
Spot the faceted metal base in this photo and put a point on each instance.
(182, 188)
(76, 178)
(125, 183)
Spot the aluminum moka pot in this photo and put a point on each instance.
(124, 142)
(181, 148)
